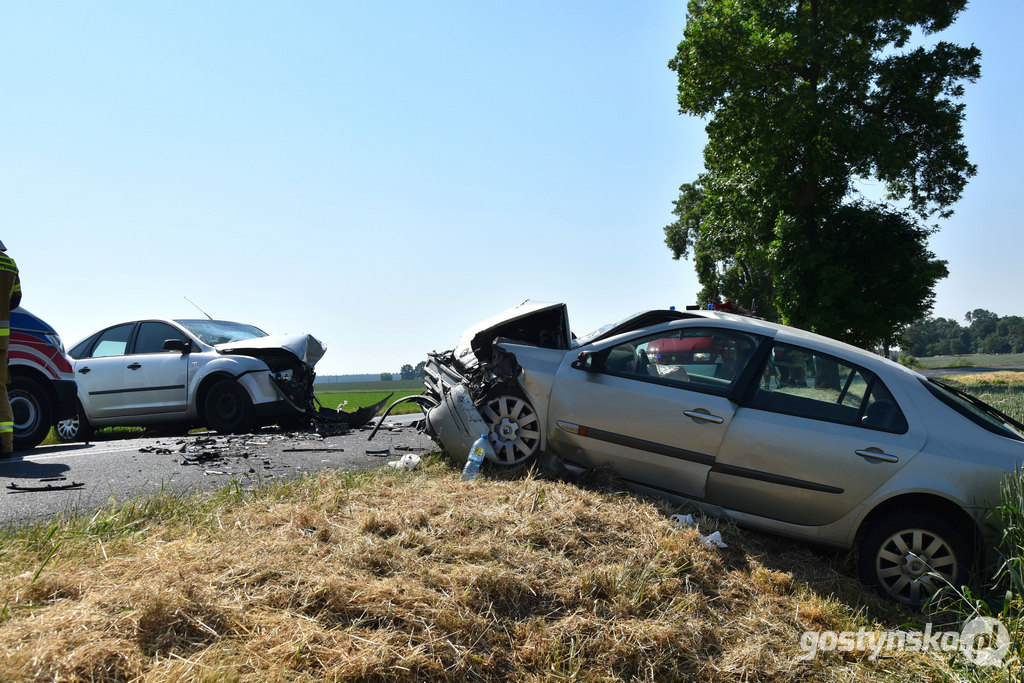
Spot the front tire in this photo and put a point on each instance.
(513, 428)
(73, 429)
(912, 555)
(33, 412)
(228, 408)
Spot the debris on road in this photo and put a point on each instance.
(15, 488)
(312, 450)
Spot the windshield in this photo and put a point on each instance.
(976, 410)
(215, 332)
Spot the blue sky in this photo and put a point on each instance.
(382, 175)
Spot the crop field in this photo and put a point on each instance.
(354, 395)
(981, 360)
(1004, 390)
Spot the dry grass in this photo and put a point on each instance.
(969, 380)
(418, 576)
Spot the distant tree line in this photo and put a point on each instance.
(410, 372)
(985, 332)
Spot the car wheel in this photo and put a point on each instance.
(76, 428)
(910, 556)
(228, 408)
(513, 429)
(33, 413)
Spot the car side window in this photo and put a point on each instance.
(807, 383)
(699, 358)
(152, 335)
(112, 342)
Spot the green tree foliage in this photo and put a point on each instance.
(803, 100)
(986, 333)
(407, 372)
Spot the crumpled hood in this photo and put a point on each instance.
(305, 347)
(526, 322)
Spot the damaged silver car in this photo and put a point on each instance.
(772, 427)
(228, 376)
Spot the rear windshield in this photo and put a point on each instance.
(977, 411)
(215, 332)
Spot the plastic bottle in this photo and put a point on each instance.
(481, 447)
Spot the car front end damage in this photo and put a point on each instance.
(479, 387)
(290, 361)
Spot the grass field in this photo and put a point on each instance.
(1003, 390)
(980, 360)
(359, 394)
(418, 576)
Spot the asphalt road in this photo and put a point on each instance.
(85, 477)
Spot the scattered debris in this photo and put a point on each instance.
(713, 540)
(14, 488)
(407, 462)
(386, 451)
(312, 450)
(682, 521)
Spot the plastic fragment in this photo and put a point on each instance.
(406, 462)
(682, 521)
(713, 540)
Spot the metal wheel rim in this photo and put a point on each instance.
(513, 429)
(912, 564)
(68, 429)
(25, 412)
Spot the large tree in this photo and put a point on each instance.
(803, 101)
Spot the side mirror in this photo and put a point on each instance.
(586, 361)
(180, 345)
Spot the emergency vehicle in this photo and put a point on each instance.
(42, 389)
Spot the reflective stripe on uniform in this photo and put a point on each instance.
(6, 427)
(7, 263)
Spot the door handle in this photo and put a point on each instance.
(134, 366)
(84, 371)
(707, 417)
(876, 454)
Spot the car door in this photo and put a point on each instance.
(155, 380)
(100, 374)
(655, 408)
(813, 438)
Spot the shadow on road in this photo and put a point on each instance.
(16, 468)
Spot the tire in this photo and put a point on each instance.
(228, 408)
(513, 428)
(73, 429)
(911, 555)
(33, 412)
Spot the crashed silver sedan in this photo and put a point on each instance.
(228, 376)
(770, 426)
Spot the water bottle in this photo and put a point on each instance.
(481, 447)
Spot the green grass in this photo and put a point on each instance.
(399, 386)
(359, 399)
(972, 360)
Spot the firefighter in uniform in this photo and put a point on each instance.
(10, 297)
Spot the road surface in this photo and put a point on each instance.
(85, 477)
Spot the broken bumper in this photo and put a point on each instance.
(455, 423)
